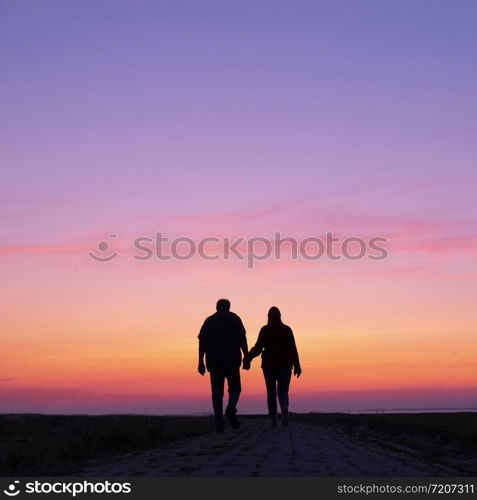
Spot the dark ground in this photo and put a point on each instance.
(55, 445)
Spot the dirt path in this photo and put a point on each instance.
(257, 450)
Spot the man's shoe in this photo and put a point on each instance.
(273, 421)
(219, 428)
(233, 421)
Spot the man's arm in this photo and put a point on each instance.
(243, 338)
(243, 344)
(202, 336)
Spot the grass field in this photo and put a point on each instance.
(53, 445)
(435, 435)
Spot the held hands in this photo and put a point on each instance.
(201, 368)
(246, 363)
(297, 371)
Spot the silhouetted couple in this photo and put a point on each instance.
(222, 340)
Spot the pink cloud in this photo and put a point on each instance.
(20, 249)
(299, 217)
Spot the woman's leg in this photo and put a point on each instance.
(271, 383)
(283, 386)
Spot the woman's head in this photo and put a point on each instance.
(274, 316)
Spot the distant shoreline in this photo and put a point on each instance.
(387, 411)
(415, 410)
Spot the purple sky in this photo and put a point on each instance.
(113, 106)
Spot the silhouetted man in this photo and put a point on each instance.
(222, 340)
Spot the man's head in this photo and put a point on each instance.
(223, 305)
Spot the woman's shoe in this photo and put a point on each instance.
(285, 420)
(273, 421)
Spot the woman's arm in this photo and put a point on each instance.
(294, 353)
(257, 349)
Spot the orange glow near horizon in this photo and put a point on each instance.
(141, 339)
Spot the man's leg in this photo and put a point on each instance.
(283, 382)
(234, 388)
(217, 379)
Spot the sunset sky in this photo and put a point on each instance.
(233, 119)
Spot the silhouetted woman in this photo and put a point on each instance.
(276, 344)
